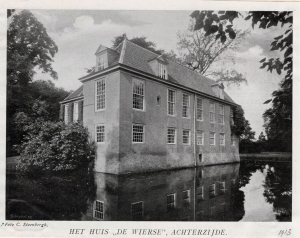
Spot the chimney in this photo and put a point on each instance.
(218, 89)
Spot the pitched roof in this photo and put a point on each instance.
(75, 94)
(138, 57)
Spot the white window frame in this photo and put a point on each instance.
(175, 135)
(170, 102)
(231, 116)
(222, 114)
(188, 199)
(200, 196)
(222, 134)
(135, 213)
(102, 61)
(75, 111)
(210, 137)
(212, 118)
(232, 140)
(189, 131)
(214, 190)
(187, 106)
(103, 81)
(200, 140)
(101, 212)
(199, 109)
(136, 124)
(96, 133)
(222, 186)
(138, 81)
(174, 203)
(162, 71)
(66, 116)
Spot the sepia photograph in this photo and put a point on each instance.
(149, 115)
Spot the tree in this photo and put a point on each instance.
(199, 52)
(278, 119)
(28, 46)
(141, 41)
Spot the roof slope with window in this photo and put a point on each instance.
(137, 57)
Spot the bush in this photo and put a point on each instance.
(56, 146)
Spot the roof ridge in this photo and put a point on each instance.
(124, 42)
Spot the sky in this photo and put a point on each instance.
(78, 33)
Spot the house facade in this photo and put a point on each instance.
(147, 112)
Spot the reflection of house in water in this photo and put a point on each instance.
(206, 194)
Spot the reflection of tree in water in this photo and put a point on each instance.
(278, 190)
(246, 170)
(54, 197)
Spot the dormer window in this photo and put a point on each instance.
(102, 59)
(162, 71)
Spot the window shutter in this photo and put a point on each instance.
(80, 111)
(71, 112)
(62, 112)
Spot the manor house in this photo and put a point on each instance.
(147, 112)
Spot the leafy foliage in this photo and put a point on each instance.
(200, 51)
(28, 46)
(278, 119)
(53, 146)
(48, 196)
(141, 41)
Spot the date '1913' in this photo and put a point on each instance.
(285, 232)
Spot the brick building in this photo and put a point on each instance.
(147, 112)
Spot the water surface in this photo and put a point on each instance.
(246, 191)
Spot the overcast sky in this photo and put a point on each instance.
(79, 33)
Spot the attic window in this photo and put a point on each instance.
(101, 64)
(162, 71)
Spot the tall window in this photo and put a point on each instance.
(221, 116)
(186, 197)
(66, 113)
(200, 138)
(212, 190)
(171, 102)
(102, 61)
(138, 89)
(222, 187)
(171, 136)
(199, 109)
(212, 138)
(138, 133)
(75, 111)
(99, 210)
(186, 137)
(222, 139)
(212, 112)
(231, 117)
(171, 202)
(200, 194)
(232, 142)
(100, 94)
(100, 133)
(186, 105)
(162, 71)
(137, 211)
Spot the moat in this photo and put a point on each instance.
(245, 191)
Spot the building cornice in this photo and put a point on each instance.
(129, 69)
(72, 99)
